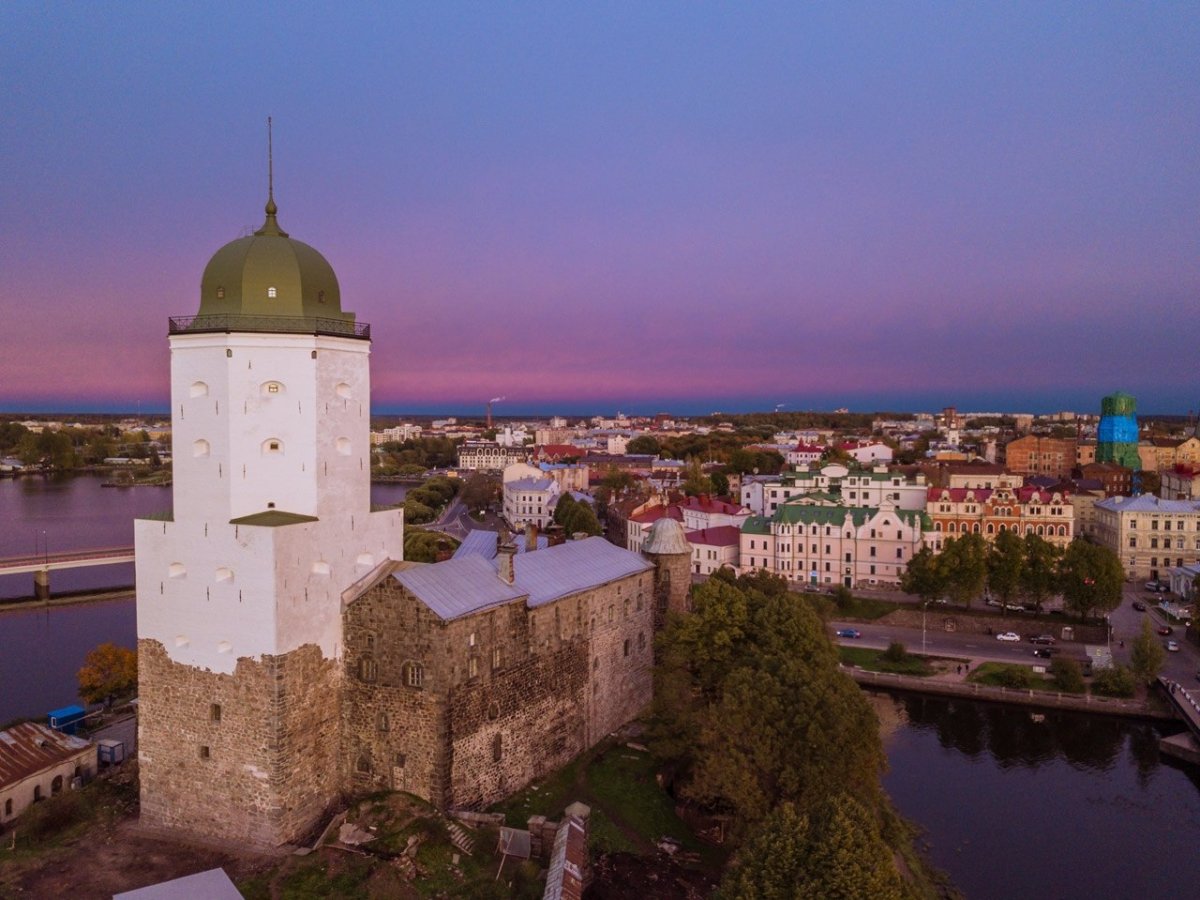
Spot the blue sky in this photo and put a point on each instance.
(637, 206)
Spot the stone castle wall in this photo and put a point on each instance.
(251, 756)
(505, 695)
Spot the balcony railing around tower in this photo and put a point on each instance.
(273, 324)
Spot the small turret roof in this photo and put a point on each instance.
(666, 536)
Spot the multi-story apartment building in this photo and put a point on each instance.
(488, 456)
(1159, 454)
(1116, 478)
(832, 545)
(398, 433)
(1037, 455)
(835, 484)
(1151, 535)
(804, 455)
(1007, 507)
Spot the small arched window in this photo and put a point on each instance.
(368, 670)
(200, 448)
(220, 293)
(272, 447)
(272, 293)
(198, 389)
(272, 388)
(343, 446)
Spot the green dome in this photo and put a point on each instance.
(270, 274)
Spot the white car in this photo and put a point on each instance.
(1173, 646)
(1008, 636)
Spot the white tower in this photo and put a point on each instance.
(239, 592)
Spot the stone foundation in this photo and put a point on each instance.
(252, 756)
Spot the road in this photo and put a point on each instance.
(1182, 666)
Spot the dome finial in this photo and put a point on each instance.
(271, 226)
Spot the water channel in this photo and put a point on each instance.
(1012, 804)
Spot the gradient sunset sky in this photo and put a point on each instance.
(645, 206)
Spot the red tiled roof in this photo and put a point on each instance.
(709, 505)
(558, 450)
(654, 513)
(809, 448)
(721, 536)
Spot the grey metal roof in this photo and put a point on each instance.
(573, 567)
(481, 542)
(529, 484)
(211, 885)
(459, 586)
(468, 584)
(1148, 503)
(667, 536)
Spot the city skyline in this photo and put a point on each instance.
(672, 208)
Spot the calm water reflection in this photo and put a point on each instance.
(1058, 805)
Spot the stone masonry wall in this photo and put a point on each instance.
(250, 756)
(546, 682)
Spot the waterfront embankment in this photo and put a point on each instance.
(1150, 708)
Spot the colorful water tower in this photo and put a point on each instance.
(1117, 436)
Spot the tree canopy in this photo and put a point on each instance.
(108, 671)
(1147, 654)
(1090, 578)
(751, 708)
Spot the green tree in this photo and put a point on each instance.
(696, 482)
(754, 707)
(581, 519)
(835, 853)
(563, 510)
(1090, 577)
(896, 652)
(479, 492)
(964, 562)
(1039, 574)
(427, 546)
(924, 576)
(1147, 654)
(1067, 675)
(720, 484)
(108, 671)
(1115, 682)
(643, 443)
(416, 512)
(1005, 562)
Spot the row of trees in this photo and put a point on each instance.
(64, 449)
(1018, 570)
(422, 504)
(757, 724)
(575, 516)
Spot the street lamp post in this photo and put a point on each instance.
(924, 607)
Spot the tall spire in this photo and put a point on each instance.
(271, 226)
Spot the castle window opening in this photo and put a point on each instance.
(497, 659)
(56, 785)
(381, 721)
(8, 807)
(214, 713)
(204, 753)
(37, 793)
(368, 670)
(414, 674)
(473, 667)
(272, 293)
(497, 748)
(626, 646)
(364, 764)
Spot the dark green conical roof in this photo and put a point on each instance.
(239, 279)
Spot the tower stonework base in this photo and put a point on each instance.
(262, 744)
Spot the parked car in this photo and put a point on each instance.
(1043, 652)
(1008, 636)
(1139, 605)
(1042, 639)
(1173, 646)
(849, 633)
(1166, 629)
(1157, 587)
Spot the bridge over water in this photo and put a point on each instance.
(40, 565)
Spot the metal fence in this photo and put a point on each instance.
(273, 324)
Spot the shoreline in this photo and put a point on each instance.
(74, 599)
(1028, 698)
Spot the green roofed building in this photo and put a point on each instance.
(806, 540)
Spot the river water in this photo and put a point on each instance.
(1060, 804)
(1012, 805)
